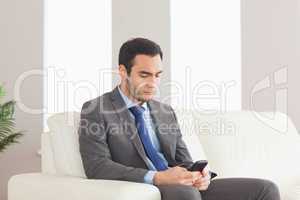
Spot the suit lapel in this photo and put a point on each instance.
(129, 124)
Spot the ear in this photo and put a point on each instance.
(122, 72)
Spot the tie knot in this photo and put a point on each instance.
(137, 110)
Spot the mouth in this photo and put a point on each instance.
(148, 93)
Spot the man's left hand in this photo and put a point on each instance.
(202, 183)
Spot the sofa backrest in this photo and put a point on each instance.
(250, 144)
(235, 144)
(60, 146)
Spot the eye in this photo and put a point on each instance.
(143, 75)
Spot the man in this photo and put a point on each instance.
(126, 135)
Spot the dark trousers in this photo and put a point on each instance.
(224, 189)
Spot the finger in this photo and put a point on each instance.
(207, 177)
(199, 183)
(186, 182)
(206, 182)
(196, 175)
(205, 171)
(187, 175)
(202, 188)
(202, 180)
(181, 168)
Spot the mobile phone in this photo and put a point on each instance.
(199, 165)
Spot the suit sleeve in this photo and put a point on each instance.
(95, 151)
(182, 154)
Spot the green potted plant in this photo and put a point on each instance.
(8, 134)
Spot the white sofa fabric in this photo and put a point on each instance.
(237, 144)
(243, 144)
(40, 186)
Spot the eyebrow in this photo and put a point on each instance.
(145, 72)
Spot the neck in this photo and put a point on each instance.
(126, 91)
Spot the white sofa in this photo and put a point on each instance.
(237, 144)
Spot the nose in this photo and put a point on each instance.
(154, 80)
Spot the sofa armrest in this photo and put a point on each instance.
(37, 186)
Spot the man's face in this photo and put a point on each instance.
(143, 79)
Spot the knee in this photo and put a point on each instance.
(179, 192)
(273, 190)
(190, 194)
(270, 190)
(193, 195)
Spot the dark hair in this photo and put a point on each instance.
(137, 46)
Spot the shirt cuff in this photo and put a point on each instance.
(149, 176)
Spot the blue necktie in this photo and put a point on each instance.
(151, 152)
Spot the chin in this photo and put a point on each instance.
(147, 97)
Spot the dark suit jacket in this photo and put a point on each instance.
(109, 143)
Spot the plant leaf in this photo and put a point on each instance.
(7, 110)
(10, 139)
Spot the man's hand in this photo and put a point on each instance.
(203, 182)
(176, 175)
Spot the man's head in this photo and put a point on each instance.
(140, 66)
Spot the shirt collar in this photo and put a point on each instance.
(129, 103)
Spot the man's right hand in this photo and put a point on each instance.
(176, 175)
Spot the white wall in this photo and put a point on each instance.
(206, 55)
(142, 18)
(77, 53)
(271, 56)
(21, 33)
